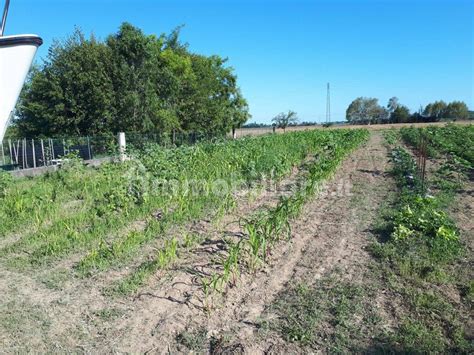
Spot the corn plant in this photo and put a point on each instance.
(230, 264)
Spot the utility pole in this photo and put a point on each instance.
(328, 106)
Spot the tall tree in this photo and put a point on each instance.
(283, 120)
(131, 82)
(365, 110)
(400, 115)
(72, 93)
(435, 110)
(393, 104)
(457, 110)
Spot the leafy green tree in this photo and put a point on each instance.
(457, 110)
(400, 115)
(283, 120)
(214, 102)
(132, 73)
(131, 82)
(72, 93)
(435, 110)
(365, 110)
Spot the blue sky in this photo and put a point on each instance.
(284, 52)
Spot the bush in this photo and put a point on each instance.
(5, 182)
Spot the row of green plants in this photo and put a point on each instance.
(270, 226)
(420, 221)
(236, 164)
(94, 208)
(452, 141)
(452, 146)
(419, 251)
(422, 237)
(267, 227)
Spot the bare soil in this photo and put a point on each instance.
(54, 310)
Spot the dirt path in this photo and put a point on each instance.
(331, 234)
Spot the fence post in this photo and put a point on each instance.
(89, 147)
(122, 146)
(51, 144)
(3, 154)
(42, 152)
(34, 152)
(10, 148)
(25, 163)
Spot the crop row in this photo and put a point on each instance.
(453, 140)
(267, 227)
(421, 251)
(97, 209)
(423, 238)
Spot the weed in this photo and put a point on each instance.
(163, 259)
(194, 340)
(109, 314)
(305, 312)
(416, 337)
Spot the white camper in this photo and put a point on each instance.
(16, 56)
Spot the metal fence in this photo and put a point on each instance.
(18, 154)
(169, 140)
(34, 153)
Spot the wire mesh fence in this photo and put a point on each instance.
(17, 154)
(34, 153)
(169, 140)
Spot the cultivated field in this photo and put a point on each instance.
(312, 241)
(243, 132)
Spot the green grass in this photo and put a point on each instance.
(162, 260)
(107, 199)
(194, 340)
(109, 314)
(332, 315)
(416, 338)
(420, 251)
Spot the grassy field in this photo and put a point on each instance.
(309, 241)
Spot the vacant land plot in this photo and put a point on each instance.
(325, 240)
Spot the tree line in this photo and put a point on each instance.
(129, 82)
(364, 110)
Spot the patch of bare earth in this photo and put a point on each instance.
(53, 309)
